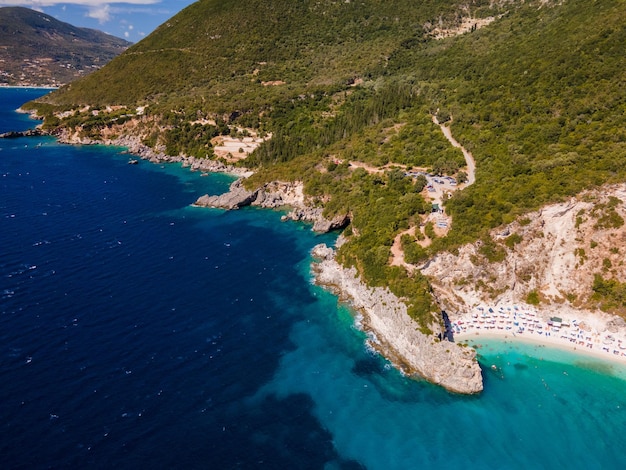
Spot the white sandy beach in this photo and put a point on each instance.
(579, 332)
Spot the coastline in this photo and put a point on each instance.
(599, 336)
(394, 334)
(389, 338)
(543, 350)
(133, 146)
(384, 342)
(272, 195)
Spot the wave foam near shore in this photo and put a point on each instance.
(441, 362)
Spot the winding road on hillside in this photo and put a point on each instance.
(436, 196)
(469, 158)
(397, 254)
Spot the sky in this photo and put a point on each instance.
(128, 19)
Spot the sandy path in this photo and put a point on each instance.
(397, 255)
(469, 159)
(375, 170)
(436, 197)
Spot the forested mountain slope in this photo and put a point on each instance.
(348, 91)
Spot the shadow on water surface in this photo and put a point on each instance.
(276, 433)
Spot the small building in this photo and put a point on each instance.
(555, 321)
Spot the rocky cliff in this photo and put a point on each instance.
(397, 336)
(549, 257)
(274, 195)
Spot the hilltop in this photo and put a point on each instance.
(39, 50)
(346, 99)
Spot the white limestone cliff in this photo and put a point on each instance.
(450, 365)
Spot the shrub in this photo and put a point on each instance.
(533, 298)
(491, 250)
(512, 240)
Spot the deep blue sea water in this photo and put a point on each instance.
(139, 332)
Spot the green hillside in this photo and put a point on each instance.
(537, 95)
(38, 49)
(229, 48)
(540, 102)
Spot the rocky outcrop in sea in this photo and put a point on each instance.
(396, 334)
(27, 133)
(274, 195)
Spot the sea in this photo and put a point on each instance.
(137, 331)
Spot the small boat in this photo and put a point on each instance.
(133, 161)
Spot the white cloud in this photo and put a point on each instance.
(101, 10)
(100, 13)
(126, 34)
(145, 10)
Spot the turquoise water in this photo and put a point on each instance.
(137, 331)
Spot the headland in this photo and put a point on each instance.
(395, 334)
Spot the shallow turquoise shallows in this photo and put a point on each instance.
(139, 332)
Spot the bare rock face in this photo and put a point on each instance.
(338, 222)
(275, 195)
(278, 194)
(557, 253)
(397, 335)
(305, 214)
(235, 198)
(320, 223)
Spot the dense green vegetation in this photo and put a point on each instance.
(538, 101)
(610, 293)
(217, 54)
(537, 96)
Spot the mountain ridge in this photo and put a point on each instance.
(38, 50)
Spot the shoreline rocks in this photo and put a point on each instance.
(134, 146)
(443, 363)
(320, 223)
(36, 132)
(235, 198)
(275, 195)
